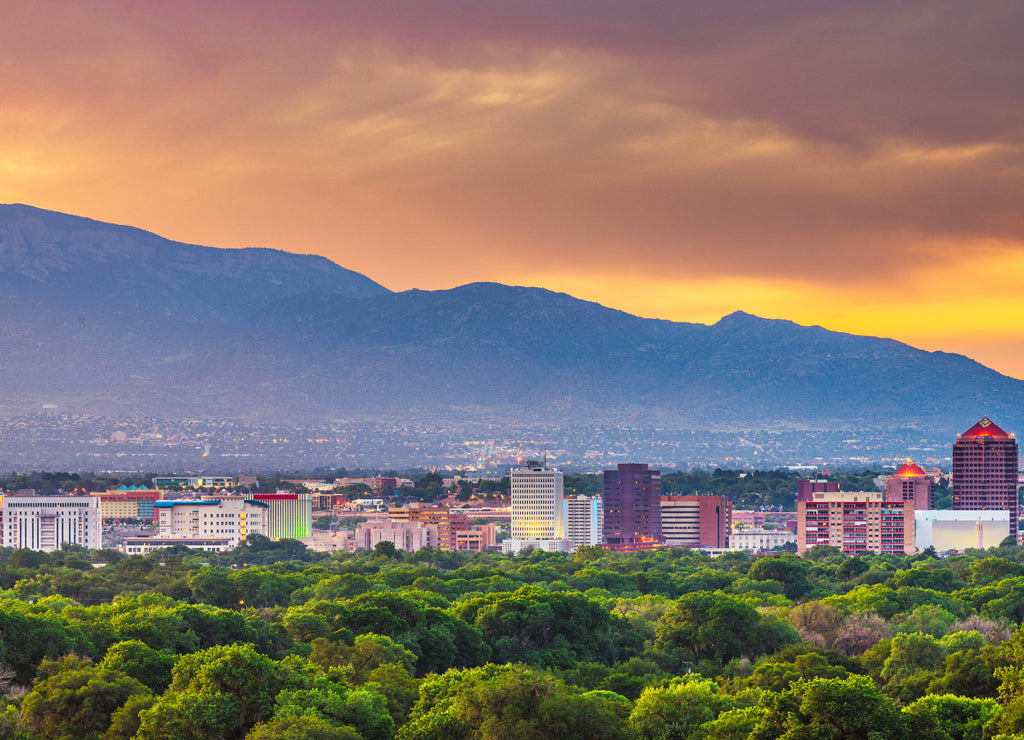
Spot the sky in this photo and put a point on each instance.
(856, 165)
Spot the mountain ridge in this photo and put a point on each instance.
(297, 337)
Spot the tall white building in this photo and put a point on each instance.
(537, 502)
(584, 520)
(46, 522)
(537, 508)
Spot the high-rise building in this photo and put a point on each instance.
(584, 520)
(911, 483)
(696, 521)
(985, 471)
(632, 507)
(537, 493)
(856, 522)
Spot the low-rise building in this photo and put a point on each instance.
(960, 530)
(46, 522)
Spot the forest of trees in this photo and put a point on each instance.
(278, 642)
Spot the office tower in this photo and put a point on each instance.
(536, 502)
(856, 522)
(632, 507)
(696, 521)
(985, 471)
(911, 483)
(584, 520)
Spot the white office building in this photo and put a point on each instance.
(46, 522)
(230, 519)
(584, 520)
(537, 508)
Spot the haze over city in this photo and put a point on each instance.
(853, 165)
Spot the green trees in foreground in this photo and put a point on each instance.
(662, 645)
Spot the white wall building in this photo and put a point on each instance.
(231, 519)
(946, 529)
(537, 494)
(514, 547)
(584, 520)
(46, 522)
(405, 535)
(756, 538)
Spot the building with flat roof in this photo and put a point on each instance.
(696, 521)
(584, 520)
(290, 515)
(985, 462)
(447, 521)
(537, 494)
(47, 522)
(856, 522)
(229, 518)
(408, 536)
(193, 481)
(947, 530)
(632, 507)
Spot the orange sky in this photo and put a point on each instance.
(855, 165)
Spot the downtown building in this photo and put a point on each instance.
(537, 510)
(632, 508)
(856, 522)
(911, 483)
(696, 521)
(584, 520)
(47, 522)
(985, 472)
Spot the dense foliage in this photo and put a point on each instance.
(278, 642)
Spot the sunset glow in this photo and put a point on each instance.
(858, 166)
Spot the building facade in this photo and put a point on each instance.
(290, 514)
(911, 483)
(46, 522)
(447, 522)
(632, 507)
(985, 471)
(407, 536)
(584, 520)
(537, 494)
(856, 522)
(229, 519)
(806, 487)
(118, 506)
(696, 521)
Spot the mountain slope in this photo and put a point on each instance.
(115, 320)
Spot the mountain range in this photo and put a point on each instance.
(109, 319)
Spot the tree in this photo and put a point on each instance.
(706, 626)
(77, 699)
(141, 662)
(220, 692)
(677, 710)
(510, 701)
(831, 709)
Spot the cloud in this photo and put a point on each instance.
(766, 147)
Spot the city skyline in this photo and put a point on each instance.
(852, 165)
